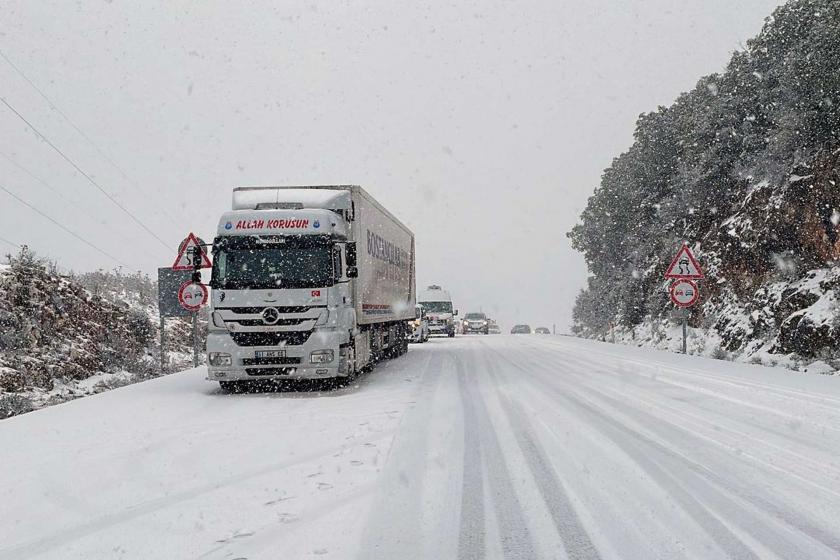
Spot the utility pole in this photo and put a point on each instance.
(195, 338)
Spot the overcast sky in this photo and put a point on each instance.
(483, 125)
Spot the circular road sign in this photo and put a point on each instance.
(684, 293)
(192, 295)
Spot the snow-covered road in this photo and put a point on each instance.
(477, 447)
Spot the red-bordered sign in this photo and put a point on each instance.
(684, 265)
(184, 261)
(192, 295)
(684, 293)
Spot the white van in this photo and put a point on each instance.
(438, 306)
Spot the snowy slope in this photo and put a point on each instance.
(63, 337)
(496, 447)
(744, 168)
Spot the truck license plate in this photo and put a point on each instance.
(270, 354)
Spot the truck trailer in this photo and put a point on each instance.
(308, 282)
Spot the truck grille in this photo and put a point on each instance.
(257, 310)
(292, 338)
(270, 361)
(270, 371)
(281, 322)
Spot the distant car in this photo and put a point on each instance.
(541, 330)
(494, 329)
(521, 329)
(476, 323)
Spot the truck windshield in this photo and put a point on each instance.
(271, 267)
(437, 306)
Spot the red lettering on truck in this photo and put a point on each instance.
(250, 224)
(292, 223)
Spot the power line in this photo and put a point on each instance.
(12, 243)
(86, 176)
(71, 232)
(57, 192)
(42, 182)
(80, 131)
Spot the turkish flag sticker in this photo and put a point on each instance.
(316, 293)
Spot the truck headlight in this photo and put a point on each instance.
(323, 318)
(219, 359)
(218, 322)
(321, 356)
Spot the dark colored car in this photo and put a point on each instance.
(521, 329)
(476, 323)
(542, 330)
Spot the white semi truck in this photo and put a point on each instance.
(307, 283)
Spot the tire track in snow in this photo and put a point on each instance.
(393, 525)
(730, 487)
(625, 441)
(828, 402)
(576, 540)
(804, 468)
(484, 449)
(696, 483)
(707, 412)
(471, 537)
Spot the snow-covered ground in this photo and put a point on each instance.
(496, 447)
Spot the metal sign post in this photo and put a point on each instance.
(681, 315)
(181, 293)
(683, 270)
(192, 294)
(195, 338)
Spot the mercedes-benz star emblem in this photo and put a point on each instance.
(270, 316)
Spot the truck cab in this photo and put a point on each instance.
(286, 291)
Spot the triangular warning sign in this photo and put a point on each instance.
(685, 266)
(186, 253)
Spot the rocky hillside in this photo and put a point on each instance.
(746, 168)
(64, 336)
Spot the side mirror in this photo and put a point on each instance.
(350, 256)
(352, 272)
